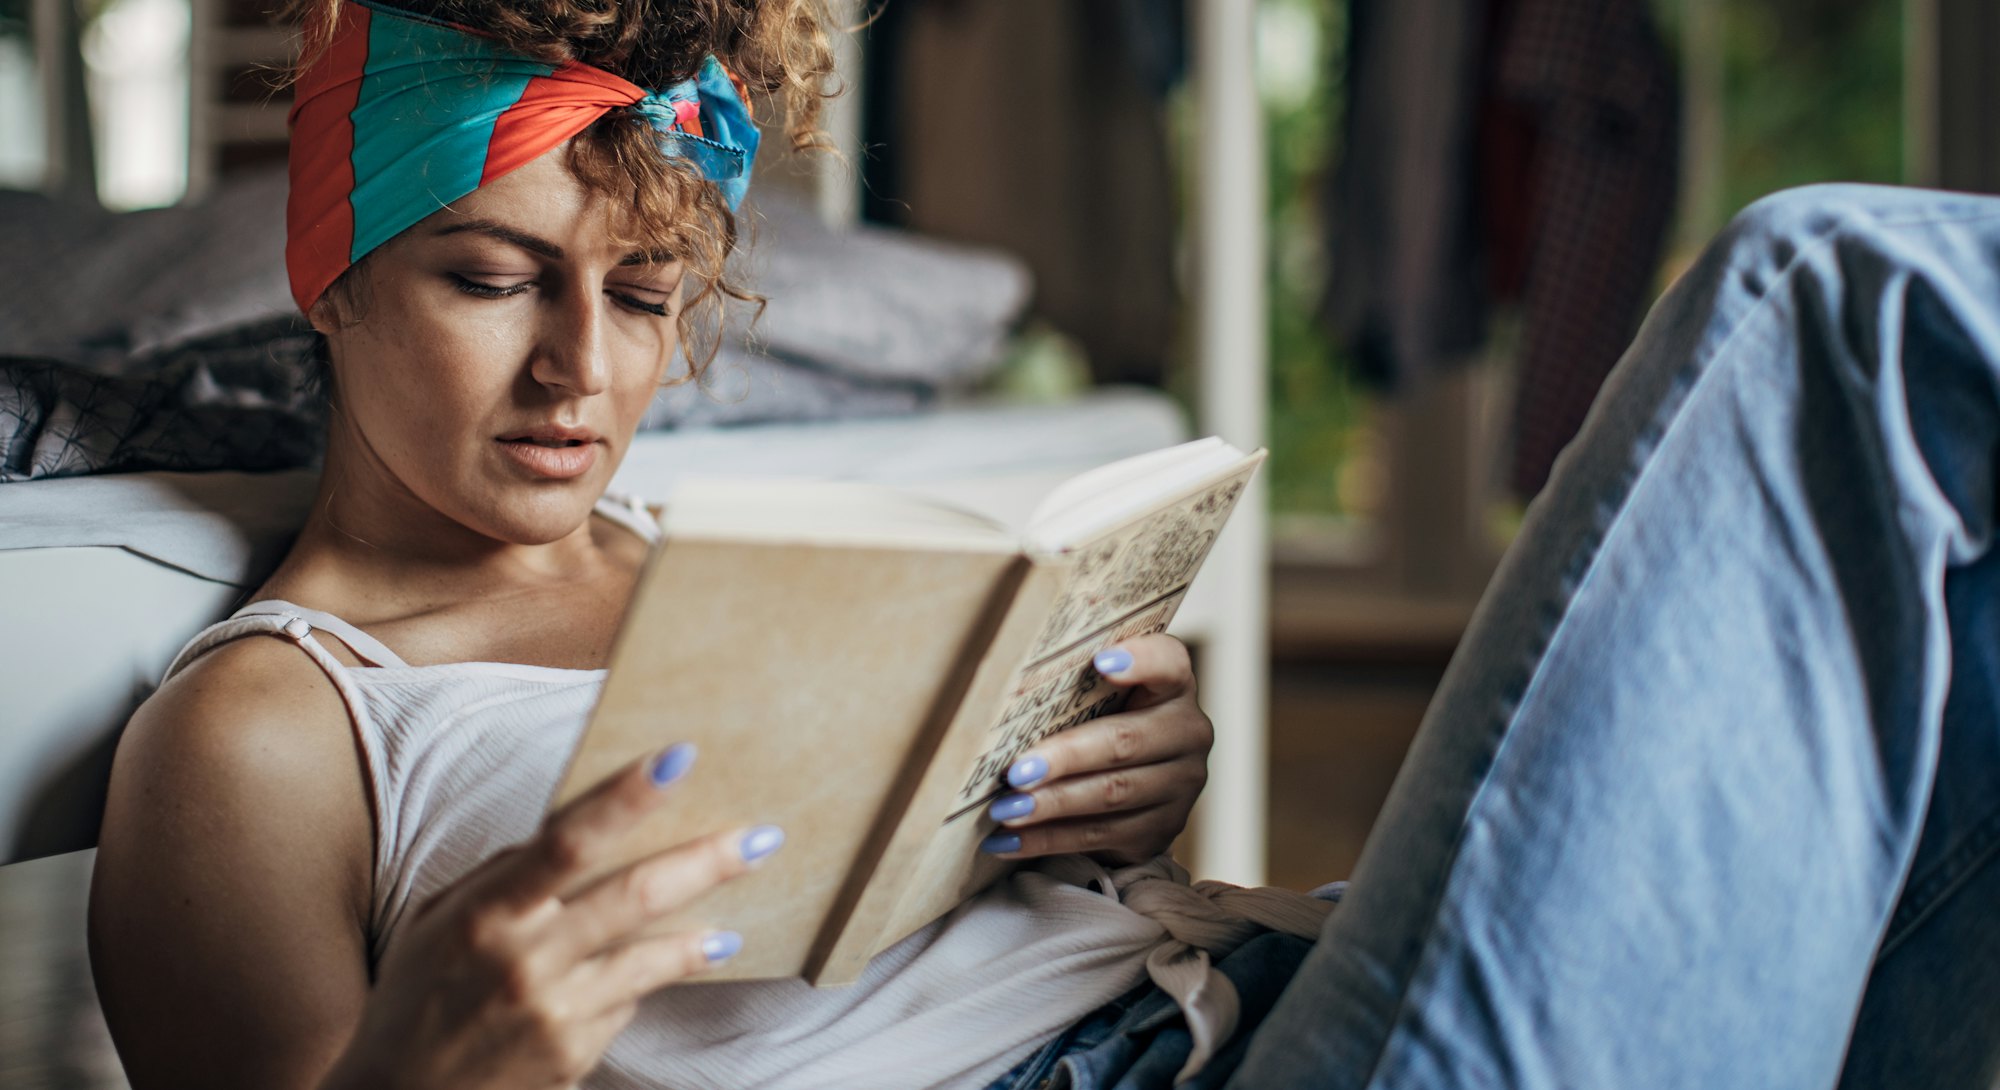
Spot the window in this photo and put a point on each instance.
(95, 98)
(1400, 495)
(135, 55)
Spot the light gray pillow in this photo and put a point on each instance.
(96, 287)
(873, 301)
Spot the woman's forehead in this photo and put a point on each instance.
(545, 209)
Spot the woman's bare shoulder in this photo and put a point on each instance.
(233, 864)
(254, 740)
(255, 696)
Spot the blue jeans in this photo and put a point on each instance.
(1710, 796)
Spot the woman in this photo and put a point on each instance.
(1706, 800)
(320, 860)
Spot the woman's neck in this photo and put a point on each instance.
(370, 537)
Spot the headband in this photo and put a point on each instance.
(401, 115)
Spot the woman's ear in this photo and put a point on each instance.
(324, 315)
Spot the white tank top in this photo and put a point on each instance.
(461, 759)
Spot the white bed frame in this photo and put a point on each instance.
(1232, 357)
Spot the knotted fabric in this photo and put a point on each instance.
(1203, 920)
(400, 115)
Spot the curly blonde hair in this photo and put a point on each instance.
(780, 49)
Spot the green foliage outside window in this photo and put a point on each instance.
(1317, 432)
(1808, 91)
(1811, 91)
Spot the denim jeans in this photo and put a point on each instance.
(1710, 795)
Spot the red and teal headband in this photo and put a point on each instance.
(400, 115)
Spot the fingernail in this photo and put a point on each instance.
(1000, 844)
(673, 763)
(1112, 660)
(1009, 807)
(760, 842)
(1027, 772)
(722, 944)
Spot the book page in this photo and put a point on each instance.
(1089, 503)
(1127, 582)
(846, 512)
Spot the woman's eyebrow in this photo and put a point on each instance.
(647, 257)
(533, 244)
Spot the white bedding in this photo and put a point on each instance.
(232, 527)
(105, 577)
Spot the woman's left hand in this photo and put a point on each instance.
(1120, 786)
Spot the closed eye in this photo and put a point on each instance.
(658, 310)
(483, 290)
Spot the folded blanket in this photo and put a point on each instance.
(82, 284)
(743, 386)
(873, 302)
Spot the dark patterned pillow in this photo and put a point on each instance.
(234, 399)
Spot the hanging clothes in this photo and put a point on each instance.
(1603, 100)
(1406, 292)
(1502, 150)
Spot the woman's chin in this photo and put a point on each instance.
(540, 515)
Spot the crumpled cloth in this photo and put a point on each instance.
(1204, 920)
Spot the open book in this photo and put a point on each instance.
(860, 667)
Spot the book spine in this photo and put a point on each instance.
(849, 930)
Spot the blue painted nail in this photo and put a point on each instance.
(1112, 660)
(1000, 844)
(1027, 772)
(722, 944)
(760, 842)
(672, 764)
(1009, 807)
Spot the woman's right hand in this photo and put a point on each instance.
(515, 977)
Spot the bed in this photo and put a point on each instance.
(106, 576)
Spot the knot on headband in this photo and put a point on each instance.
(401, 115)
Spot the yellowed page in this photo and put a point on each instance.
(1126, 582)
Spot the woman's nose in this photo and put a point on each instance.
(573, 356)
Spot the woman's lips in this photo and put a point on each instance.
(560, 462)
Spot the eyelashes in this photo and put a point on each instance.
(480, 290)
(487, 291)
(658, 310)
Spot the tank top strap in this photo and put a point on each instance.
(292, 624)
(279, 617)
(630, 511)
(371, 650)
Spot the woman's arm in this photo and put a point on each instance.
(228, 915)
(228, 907)
(1120, 786)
